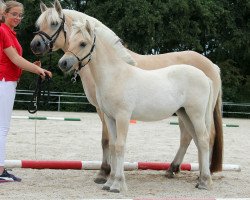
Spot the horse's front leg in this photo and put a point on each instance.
(122, 124)
(111, 125)
(185, 139)
(104, 172)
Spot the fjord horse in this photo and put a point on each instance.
(54, 26)
(124, 92)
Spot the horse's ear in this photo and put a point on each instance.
(43, 7)
(89, 28)
(58, 6)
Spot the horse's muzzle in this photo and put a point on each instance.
(38, 47)
(66, 63)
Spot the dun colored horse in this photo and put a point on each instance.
(54, 26)
(124, 92)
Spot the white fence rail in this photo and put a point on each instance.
(60, 98)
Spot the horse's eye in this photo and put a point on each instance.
(54, 23)
(82, 44)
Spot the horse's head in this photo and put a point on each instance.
(81, 47)
(51, 33)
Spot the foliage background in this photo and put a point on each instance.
(218, 29)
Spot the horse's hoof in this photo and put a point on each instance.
(174, 169)
(115, 190)
(201, 186)
(170, 174)
(106, 188)
(100, 180)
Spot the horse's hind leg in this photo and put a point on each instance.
(201, 139)
(202, 143)
(104, 172)
(185, 139)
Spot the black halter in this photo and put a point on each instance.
(82, 59)
(52, 39)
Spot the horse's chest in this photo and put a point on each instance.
(107, 101)
(111, 101)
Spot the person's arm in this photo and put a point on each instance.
(25, 64)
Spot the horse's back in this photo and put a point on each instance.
(193, 58)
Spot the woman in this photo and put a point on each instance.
(11, 65)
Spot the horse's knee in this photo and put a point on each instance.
(105, 143)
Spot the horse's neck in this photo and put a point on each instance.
(105, 64)
(82, 17)
(120, 49)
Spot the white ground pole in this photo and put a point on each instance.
(46, 118)
(225, 125)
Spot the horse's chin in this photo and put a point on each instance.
(39, 51)
(39, 54)
(43, 53)
(67, 70)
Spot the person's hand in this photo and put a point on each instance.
(48, 73)
(43, 73)
(38, 63)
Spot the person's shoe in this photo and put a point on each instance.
(7, 177)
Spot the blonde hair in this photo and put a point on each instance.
(2, 5)
(12, 4)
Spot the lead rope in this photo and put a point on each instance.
(35, 146)
(36, 100)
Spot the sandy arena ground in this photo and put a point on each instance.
(151, 141)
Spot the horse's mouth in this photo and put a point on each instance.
(69, 70)
(66, 70)
(39, 54)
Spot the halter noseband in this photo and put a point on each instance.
(52, 39)
(82, 59)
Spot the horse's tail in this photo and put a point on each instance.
(217, 152)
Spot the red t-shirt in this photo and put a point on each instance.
(8, 70)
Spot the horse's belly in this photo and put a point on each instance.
(154, 112)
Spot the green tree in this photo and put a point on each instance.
(219, 29)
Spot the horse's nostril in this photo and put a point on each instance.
(38, 44)
(35, 45)
(65, 63)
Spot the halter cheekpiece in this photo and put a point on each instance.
(82, 59)
(52, 39)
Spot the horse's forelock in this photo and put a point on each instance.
(77, 27)
(49, 16)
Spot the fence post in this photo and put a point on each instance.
(59, 103)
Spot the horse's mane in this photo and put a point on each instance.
(51, 16)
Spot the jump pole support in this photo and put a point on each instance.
(96, 165)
